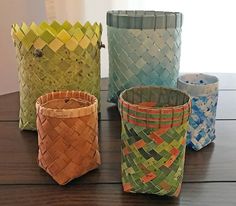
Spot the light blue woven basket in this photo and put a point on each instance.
(144, 49)
(203, 89)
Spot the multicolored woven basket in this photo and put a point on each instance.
(144, 49)
(203, 89)
(154, 126)
(67, 124)
(53, 57)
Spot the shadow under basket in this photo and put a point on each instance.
(154, 126)
(67, 124)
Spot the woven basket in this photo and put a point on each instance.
(54, 57)
(144, 49)
(203, 89)
(154, 126)
(67, 124)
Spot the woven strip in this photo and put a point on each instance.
(153, 156)
(54, 57)
(204, 92)
(142, 57)
(67, 124)
(144, 19)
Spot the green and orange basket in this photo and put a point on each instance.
(154, 126)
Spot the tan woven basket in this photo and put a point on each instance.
(67, 124)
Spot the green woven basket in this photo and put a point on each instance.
(154, 125)
(54, 57)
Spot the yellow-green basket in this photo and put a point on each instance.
(54, 57)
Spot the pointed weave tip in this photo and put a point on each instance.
(54, 57)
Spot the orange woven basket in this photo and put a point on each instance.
(67, 124)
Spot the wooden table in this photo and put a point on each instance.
(209, 177)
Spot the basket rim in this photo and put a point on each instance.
(183, 109)
(66, 113)
(157, 87)
(144, 19)
(55, 25)
(198, 89)
(216, 80)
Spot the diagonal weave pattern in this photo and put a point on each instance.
(153, 139)
(53, 57)
(202, 121)
(67, 126)
(153, 160)
(142, 57)
(203, 89)
(145, 55)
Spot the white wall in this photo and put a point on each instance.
(14, 11)
(209, 32)
(208, 36)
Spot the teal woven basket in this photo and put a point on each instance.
(144, 49)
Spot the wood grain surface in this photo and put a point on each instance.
(209, 176)
(197, 194)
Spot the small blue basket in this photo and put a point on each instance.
(203, 90)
